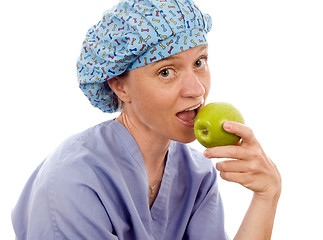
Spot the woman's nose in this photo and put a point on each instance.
(192, 86)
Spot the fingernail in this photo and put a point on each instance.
(227, 125)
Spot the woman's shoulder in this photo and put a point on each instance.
(64, 184)
(84, 159)
(89, 136)
(80, 154)
(87, 141)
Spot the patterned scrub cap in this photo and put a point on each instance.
(132, 34)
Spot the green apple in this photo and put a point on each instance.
(208, 123)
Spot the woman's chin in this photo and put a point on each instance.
(185, 138)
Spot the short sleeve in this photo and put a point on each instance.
(207, 220)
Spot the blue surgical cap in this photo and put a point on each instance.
(132, 34)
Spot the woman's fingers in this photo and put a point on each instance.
(242, 178)
(238, 166)
(251, 167)
(239, 151)
(240, 130)
(235, 152)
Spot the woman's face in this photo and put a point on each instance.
(166, 95)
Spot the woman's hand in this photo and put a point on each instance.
(251, 167)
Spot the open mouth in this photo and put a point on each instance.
(187, 116)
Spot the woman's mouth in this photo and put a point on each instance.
(187, 116)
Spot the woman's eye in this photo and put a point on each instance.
(200, 63)
(166, 73)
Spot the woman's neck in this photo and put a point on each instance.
(153, 147)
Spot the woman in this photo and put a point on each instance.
(134, 177)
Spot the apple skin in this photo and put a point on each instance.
(208, 124)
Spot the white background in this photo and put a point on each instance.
(266, 58)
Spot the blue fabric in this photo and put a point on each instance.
(133, 34)
(95, 186)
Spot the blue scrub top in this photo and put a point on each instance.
(95, 186)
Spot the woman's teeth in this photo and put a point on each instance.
(193, 108)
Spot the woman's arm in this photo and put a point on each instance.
(254, 170)
(259, 219)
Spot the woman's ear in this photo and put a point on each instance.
(117, 85)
